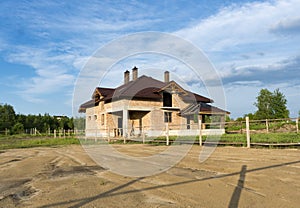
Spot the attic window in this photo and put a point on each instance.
(167, 99)
(97, 97)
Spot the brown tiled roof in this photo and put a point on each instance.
(208, 109)
(143, 87)
(88, 104)
(106, 93)
(200, 98)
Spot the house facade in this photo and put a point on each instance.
(146, 105)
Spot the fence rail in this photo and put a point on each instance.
(264, 126)
(50, 132)
(246, 131)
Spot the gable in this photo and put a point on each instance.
(173, 88)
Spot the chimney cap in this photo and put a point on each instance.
(126, 77)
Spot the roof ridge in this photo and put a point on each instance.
(133, 82)
(107, 88)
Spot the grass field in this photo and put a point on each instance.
(25, 141)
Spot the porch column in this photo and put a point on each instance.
(125, 122)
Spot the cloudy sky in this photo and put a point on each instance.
(45, 44)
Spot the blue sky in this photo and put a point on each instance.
(45, 44)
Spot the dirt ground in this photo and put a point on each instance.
(231, 177)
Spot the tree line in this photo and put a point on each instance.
(20, 123)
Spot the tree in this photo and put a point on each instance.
(7, 117)
(271, 105)
(278, 105)
(18, 128)
(250, 115)
(79, 123)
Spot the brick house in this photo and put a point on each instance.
(145, 104)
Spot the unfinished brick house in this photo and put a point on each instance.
(145, 105)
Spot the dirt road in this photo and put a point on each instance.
(231, 177)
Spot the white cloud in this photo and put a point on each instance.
(238, 25)
(51, 72)
(242, 37)
(254, 45)
(287, 26)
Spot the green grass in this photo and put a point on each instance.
(261, 125)
(16, 141)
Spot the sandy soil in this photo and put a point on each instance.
(231, 177)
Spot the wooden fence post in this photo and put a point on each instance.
(241, 127)
(200, 132)
(297, 125)
(167, 134)
(248, 132)
(54, 133)
(267, 125)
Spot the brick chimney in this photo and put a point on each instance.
(134, 73)
(126, 76)
(167, 77)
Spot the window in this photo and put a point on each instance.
(168, 117)
(102, 119)
(188, 122)
(95, 117)
(90, 118)
(167, 99)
